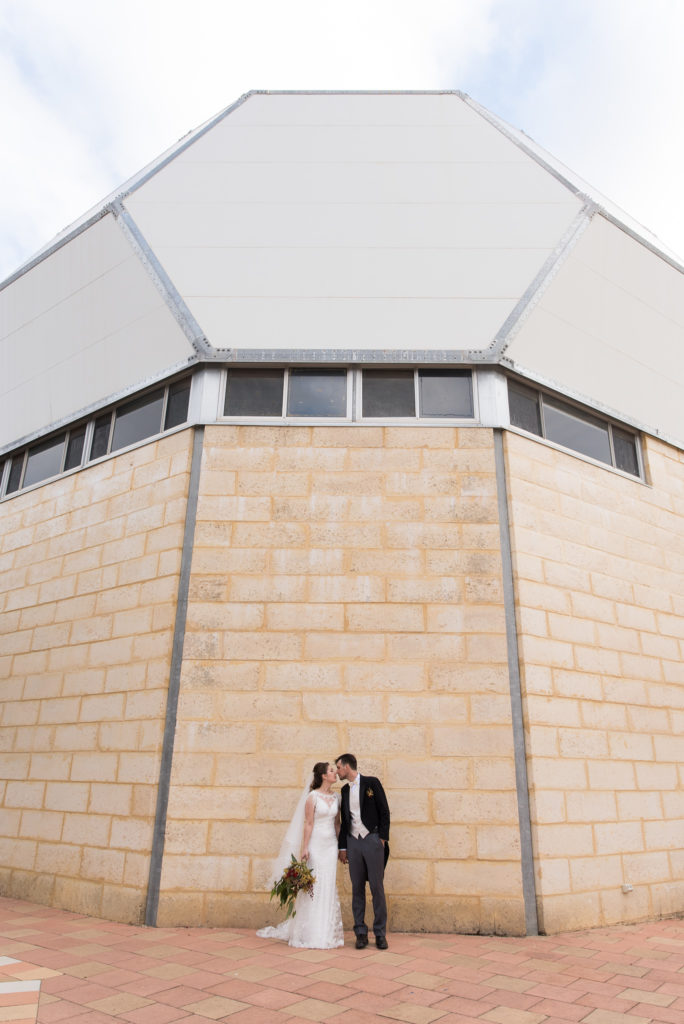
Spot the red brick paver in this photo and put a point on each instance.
(57, 966)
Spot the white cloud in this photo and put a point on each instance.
(100, 88)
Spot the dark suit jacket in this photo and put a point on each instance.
(374, 808)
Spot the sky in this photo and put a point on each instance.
(93, 90)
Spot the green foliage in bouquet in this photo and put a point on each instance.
(296, 878)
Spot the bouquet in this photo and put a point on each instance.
(296, 878)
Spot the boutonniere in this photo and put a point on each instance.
(369, 792)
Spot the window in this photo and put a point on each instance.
(44, 460)
(137, 419)
(383, 393)
(440, 393)
(126, 424)
(254, 393)
(573, 428)
(446, 393)
(133, 421)
(389, 393)
(317, 393)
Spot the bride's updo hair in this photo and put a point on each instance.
(319, 770)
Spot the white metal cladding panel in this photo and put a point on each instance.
(611, 327)
(354, 108)
(83, 325)
(388, 199)
(187, 181)
(334, 323)
(416, 143)
(359, 225)
(360, 273)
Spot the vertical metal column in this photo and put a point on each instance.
(164, 785)
(521, 782)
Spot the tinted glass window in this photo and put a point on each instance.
(524, 409)
(445, 393)
(74, 455)
(15, 474)
(44, 460)
(388, 393)
(137, 420)
(624, 445)
(177, 404)
(567, 426)
(100, 445)
(317, 393)
(254, 393)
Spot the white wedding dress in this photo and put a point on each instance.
(317, 923)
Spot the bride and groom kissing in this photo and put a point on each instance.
(352, 826)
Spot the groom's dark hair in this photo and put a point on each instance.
(347, 759)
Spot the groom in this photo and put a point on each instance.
(364, 844)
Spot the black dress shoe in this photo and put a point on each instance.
(381, 942)
(361, 941)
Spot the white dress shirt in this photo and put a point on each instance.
(358, 829)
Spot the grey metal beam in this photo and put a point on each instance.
(166, 764)
(520, 754)
(162, 282)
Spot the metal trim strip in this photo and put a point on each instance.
(166, 763)
(515, 685)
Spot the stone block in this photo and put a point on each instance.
(78, 896)
(343, 646)
(656, 776)
(51, 766)
(569, 912)
(215, 803)
(591, 806)
(110, 798)
(102, 865)
(376, 676)
(124, 904)
(303, 676)
(383, 740)
(94, 766)
(102, 707)
(611, 775)
(662, 835)
(582, 743)
(564, 840)
(475, 808)
(131, 834)
(471, 742)
(477, 878)
(618, 907)
(59, 710)
(646, 868)
(385, 617)
(491, 773)
(498, 842)
(313, 616)
(66, 796)
(139, 767)
(441, 708)
(596, 873)
(39, 824)
(619, 837)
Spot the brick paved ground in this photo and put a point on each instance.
(58, 966)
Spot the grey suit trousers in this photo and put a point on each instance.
(366, 858)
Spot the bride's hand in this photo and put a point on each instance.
(305, 855)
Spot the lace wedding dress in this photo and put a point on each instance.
(317, 923)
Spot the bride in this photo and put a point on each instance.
(312, 836)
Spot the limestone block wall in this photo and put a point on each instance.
(599, 572)
(346, 595)
(89, 578)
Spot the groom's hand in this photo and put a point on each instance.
(342, 855)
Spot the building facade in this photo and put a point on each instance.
(352, 423)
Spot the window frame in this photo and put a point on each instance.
(88, 427)
(586, 413)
